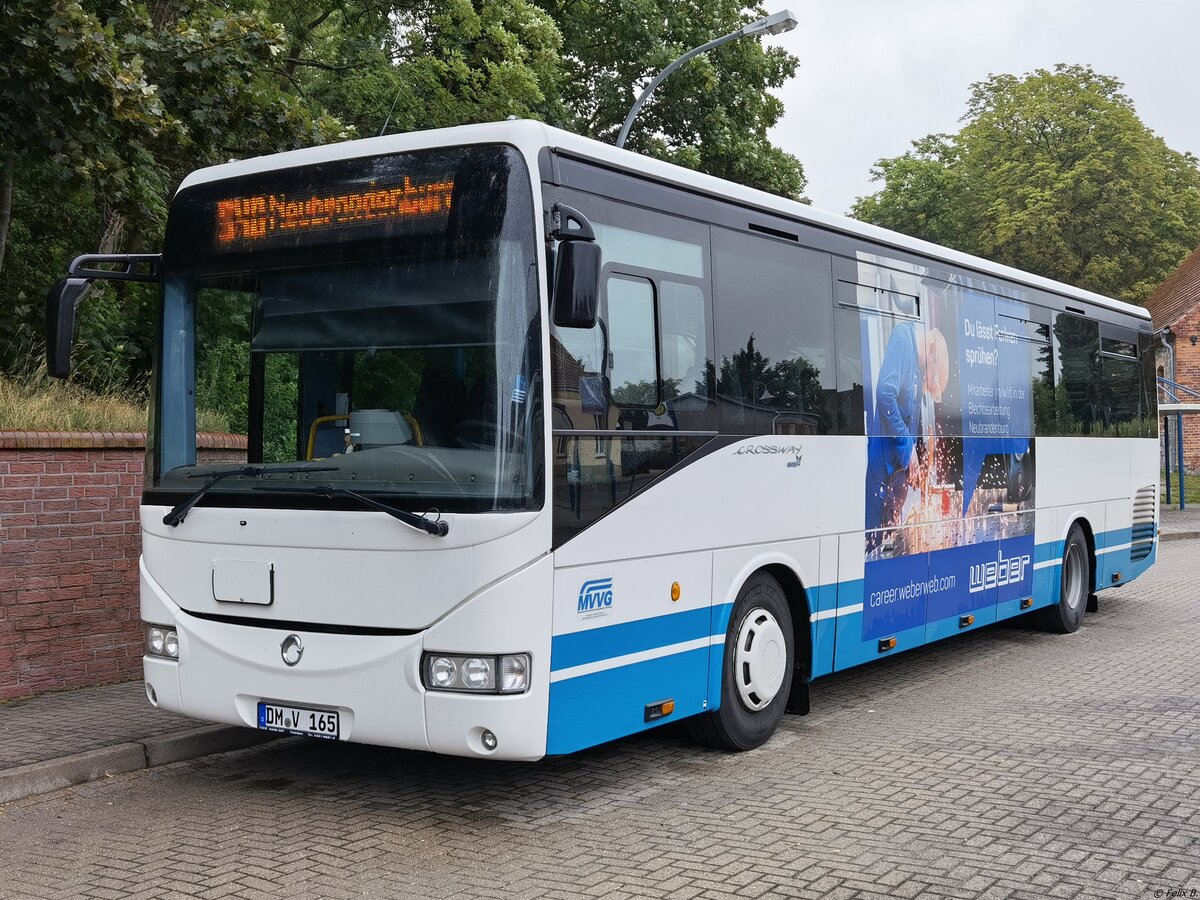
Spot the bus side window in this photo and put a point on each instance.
(1076, 374)
(774, 370)
(1120, 382)
(652, 333)
(1148, 398)
(1043, 379)
(630, 319)
(683, 334)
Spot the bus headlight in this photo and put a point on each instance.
(479, 674)
(476, 674)
(442, 672)
(162, 641)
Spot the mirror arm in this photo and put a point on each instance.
(146, 267)
(561, 219)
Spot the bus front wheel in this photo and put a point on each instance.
(1065, 616)
(756, 674)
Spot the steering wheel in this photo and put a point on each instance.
(480, 434)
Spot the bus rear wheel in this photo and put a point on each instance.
(756, 672)
(1065, 616)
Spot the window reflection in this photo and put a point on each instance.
(774, 336)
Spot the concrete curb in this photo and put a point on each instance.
(54, 774)
(1178, 535)
(181, 745)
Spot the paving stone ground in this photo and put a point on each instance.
(1176, 521)
(1006, 763)
(59, 724)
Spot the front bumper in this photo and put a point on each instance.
(373, 681)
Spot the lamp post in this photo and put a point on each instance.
(776, 23)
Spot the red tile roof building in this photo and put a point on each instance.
(1175, 306)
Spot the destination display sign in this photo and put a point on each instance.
(241, 222)
(423, 202)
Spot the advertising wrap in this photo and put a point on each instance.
(950, 458)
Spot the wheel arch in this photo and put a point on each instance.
(1085, 525)
(798, 605)
(789, 571)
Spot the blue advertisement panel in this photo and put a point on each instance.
(950, 458)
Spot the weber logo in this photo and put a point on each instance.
(595, 597)
(999, 573)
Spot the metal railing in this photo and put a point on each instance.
(1172, 393)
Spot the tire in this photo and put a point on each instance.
(1065, 616)
(756, 675)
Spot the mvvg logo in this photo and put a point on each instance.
(999, 573)
(595, 595)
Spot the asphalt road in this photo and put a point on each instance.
(1003, 763)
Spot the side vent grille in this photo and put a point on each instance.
(1143, 523)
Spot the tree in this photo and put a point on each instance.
(1052, 172)
(748, 378)
(103, 109)
(712, 114)
(920, 188)
(105, 105)
(413, 64)
(72, 94)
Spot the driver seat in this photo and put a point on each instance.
(440, 404)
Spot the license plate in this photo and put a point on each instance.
(322, 723)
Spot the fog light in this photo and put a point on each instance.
(478, 674)
(514, 674)
(488, 740)
(155, 641)
(172, 645)
(442, 672)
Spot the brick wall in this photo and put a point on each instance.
(69, 546)
(1187, 373)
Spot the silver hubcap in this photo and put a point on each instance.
(760, 661)
(1073, 576)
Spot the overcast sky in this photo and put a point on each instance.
(876, 74)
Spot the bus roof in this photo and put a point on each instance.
(531, 137)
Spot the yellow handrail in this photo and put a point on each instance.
(312, 431)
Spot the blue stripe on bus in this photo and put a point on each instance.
(607, 642)
(823, 598)
(852, 650)
(612, 641)
(1047, 552)
(603, 706)
(1114, 538)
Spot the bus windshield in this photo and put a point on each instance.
(374, 321)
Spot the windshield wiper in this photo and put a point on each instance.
(180, 511)
(436, 527)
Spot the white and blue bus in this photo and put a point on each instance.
(549, 443)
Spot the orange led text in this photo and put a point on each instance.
(247, 219)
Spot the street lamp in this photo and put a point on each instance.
(776, 23)
(766, 393)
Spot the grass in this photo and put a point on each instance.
(39, 403)
(1191, 488)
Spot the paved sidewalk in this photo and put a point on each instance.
(51, 725)
(1179, 524)
(68, 737)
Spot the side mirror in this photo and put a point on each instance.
(576, 290)
(576, 284)
(61, 301)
